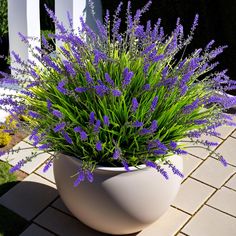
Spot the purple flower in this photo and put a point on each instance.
(106, 120)
(157, 144)
(181, 64)
(116, 154)
(109, 80)
(127, 75)
(59, 127)
(135, 105)
(99, 146)
(83, 135)
(17, 166)
(33, 114)
(144, 131)
(137, 124)
(51, 63)
(116, 93)
(146, 87)
(159, 152)
(67, 137)
(148, 49)
(173, 145)
(80, 90)
(125, 164)
(157, 58)
(223, 161)
(49, 104)
(97, 126)
(151, 164)
(189, 108)
(170, 82)
(47, 166)
(69, 68)
(163, 173)
(154, 104)
(102, 30)
(146, 67)
(200, 122)
(216, 52)
(153, 126)
(101, 90)
(78, 129)
(165, 72)
(61, 88)
(98, 55)
(209, 45)
(44, 146)
(89, 176)
(80, 178)
(57, 113)
(92, 118)
(89, 79)
(207, 143)
(176, 171)
(181, 152)
(195, 23)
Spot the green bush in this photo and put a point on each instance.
(5, 138)
(3, 17)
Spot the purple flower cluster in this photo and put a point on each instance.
(127, 76)
(154, 104)
(135, 105)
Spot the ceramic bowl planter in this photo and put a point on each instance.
(117, 202)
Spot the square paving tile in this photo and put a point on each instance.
(29, 167)
(232, 183)
(199, 150)
(59, 204)
(168, 225)
(213, 172)
(63, 224)
(35, 230)
(225, 200)
(190, 164)
(210, 222)
(49, 175)
(192, 195)
(228, 150)
(225, 131)
(30, 196)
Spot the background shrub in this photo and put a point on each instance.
(3, 18)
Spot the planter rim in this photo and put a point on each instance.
(116, 169)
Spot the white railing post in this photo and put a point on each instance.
(23, 17)
(76, 9)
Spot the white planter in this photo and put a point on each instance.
(117, 202)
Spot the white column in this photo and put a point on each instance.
(23, 17)
(76, 9)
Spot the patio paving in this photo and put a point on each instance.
(205, 205)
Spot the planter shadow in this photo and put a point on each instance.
(33, 201)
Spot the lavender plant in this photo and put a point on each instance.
(120, 98)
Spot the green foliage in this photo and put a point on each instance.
(5, 176)
(3, 18)
(173, 125)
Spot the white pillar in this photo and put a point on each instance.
(23, 17)
(76, 9)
